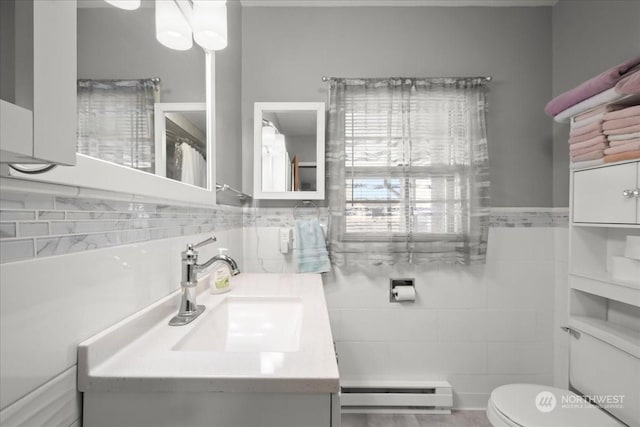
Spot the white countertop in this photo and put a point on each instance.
(137, 354)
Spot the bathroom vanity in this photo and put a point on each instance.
(260, 355)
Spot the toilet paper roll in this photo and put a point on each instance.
(632, 247)
(404, 293)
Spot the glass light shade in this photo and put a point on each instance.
(125, 4)
(210, 23)
(172, 28)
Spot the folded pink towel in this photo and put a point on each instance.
(585, 137)
(588, 143)
(627, 155)
(625, 112)
(629, 85)
(622, 148)
(580, 151)
(591, 155)
(597, 125)
(593, 86)
(621, 123)
(590, 113)
(623, 142)
(618, 131)
(623, 136)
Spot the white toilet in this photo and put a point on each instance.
(514, 405)
(597, 370)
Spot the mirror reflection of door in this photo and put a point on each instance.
(289, 151)
(186, 147)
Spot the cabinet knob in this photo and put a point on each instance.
(631, 193)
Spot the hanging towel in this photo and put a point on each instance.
(311, 251)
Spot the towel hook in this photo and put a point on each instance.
(306, 203)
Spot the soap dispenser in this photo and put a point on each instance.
(220, 278)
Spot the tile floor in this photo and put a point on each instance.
(456, 419)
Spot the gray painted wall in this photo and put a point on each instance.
(286, 51)
(588, 38)
(120, 44)
(7, 52)
(228, 128)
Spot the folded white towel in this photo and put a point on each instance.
(586, 164)
(623, 136)
(575, 124)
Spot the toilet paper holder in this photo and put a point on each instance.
(398, 283)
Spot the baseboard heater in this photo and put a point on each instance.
(385, 397)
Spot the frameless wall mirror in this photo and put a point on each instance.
(289, 150)
(140, 104)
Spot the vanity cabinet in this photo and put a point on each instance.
(38, 60)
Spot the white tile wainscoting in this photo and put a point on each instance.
(92, 259)
(477, 327)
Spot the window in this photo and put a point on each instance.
(407, 167)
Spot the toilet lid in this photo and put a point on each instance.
(534, 405)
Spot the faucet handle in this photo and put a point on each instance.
(203, 243)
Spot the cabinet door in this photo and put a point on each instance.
(38, 112)
(598, 195)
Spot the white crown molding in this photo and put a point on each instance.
(397, 3)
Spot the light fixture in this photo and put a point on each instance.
(209, 23)
(172, 28)
(179, 22)
(125, 4)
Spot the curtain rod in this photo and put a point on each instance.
(487, 78)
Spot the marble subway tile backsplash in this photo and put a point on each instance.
(41, 225)
(527, 217)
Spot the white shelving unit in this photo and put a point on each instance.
(604, 313)
(601, 219)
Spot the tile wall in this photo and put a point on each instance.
(477, 327)
(74, 262)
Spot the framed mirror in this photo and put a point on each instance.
(289, 150)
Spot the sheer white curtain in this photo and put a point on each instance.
(115, 121)
(407, 168)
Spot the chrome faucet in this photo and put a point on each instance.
(189, 310)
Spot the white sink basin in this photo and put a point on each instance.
(247, 324)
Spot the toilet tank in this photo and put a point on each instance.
(607, 373)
